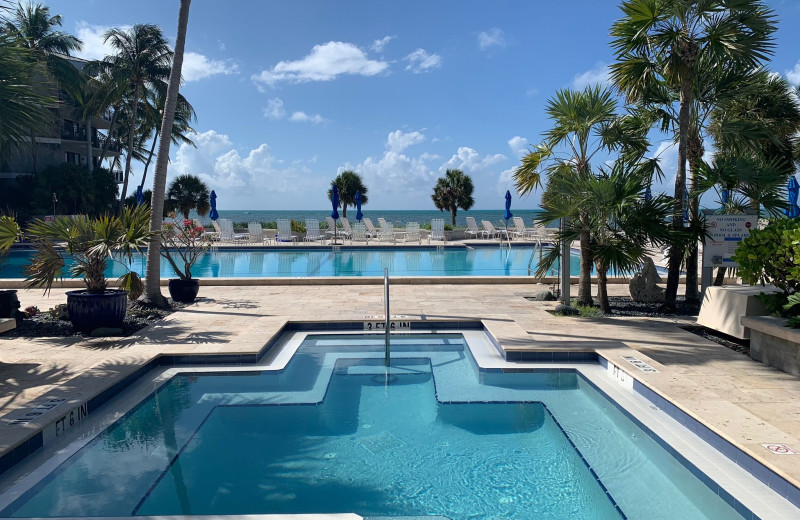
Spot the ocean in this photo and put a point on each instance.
(398, 217)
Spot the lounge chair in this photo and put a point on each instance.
(543, 233)
(386, 232)
(412, 233)
(312, 231)
(520, 230)
(371, 231)
(255, 233)
(227, 233)
(214, 235)
(331, 227)
(359, 233)
(285, 231)
(437, 230)
(346, 230)
(489, 231)
(472, 228)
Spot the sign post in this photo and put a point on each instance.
(724, 234)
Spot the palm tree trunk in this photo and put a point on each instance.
(129, 155)
(33, 152)
(585, 277)
(694, 154)
(89, 162)
(453, 216)
(344, 210)
(602, 287)
(149, 158)
(153, 274)
(676, 249)
(108, 138)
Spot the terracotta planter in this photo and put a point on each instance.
(184, 291)
(91, 311)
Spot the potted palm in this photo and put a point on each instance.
(91, 243)
(186, 241)
(9, 234)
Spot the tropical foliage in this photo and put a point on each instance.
(9, 233)
(185, 240)
(90, 243)
(349, 183)
(453, 191)
(185, 193)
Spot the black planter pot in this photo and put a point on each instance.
(90, 311)
(9, 303)
(184, 291)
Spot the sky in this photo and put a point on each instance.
(289, 93)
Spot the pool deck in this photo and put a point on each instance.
(742, 400)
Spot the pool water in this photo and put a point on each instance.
(482, 261)
(330, 435)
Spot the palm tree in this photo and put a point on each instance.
(584, 124)
(348, 182)
(141, 63)
(664, 49)
(185, 193)
(453, 191)
(153, 275)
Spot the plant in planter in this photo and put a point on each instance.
(186, 241)
(9, 234)
(91, 244)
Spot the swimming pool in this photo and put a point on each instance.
(330, 434)
(305, 262)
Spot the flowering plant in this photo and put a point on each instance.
(32, 310)
(186, 240)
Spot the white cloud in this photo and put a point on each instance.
(399, 140)
(94, 48)
(302, 117)
(379, 45)
(470, 161)
(197, 66)
(275, 109)
(494, 37)
(420, 61)
(593, 76)
(519, 146)
(324, 63)
(429, 156)
(533, 91)
(794, 75)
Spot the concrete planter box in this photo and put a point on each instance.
(724, 306)
(774, 344)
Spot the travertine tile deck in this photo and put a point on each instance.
(742, 400)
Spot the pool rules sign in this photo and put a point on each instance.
(724, 234)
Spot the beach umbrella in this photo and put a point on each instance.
(335, 212)
(794, 191)
(725, 197)
(508, 213)
(213, 213)
(648, 194)
(139, 196)
(359, 215)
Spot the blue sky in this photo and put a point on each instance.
(290, 93)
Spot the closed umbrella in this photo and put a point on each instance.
(794, 190)
(508, 213)
(139, 196)
(725, 197)
(648, 194)
(213, 214)
(359, 215)
(335, 212)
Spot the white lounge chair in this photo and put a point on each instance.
(412, 233)
(255, 233)
(437, 230)
(520, 230)
(346, 230)
(490, 231)
(472, 227)
(359, 233)
(312, 231)
(386, 233)
(227, 233)
(285, 231)
(371, 231)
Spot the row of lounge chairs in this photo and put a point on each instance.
(365, 231)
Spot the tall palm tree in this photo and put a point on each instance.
(348, 182)
(585, 124)
(453, 191)
(141, 63)
(664, 47)
(153, 275)
(185, 193)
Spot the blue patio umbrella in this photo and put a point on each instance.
(725, 197)
(794, 191)
(648, 194)
(139, 196)
(213, 214)
(508, 213)
(335, 212)
(359, 215)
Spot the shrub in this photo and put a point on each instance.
(772, 256)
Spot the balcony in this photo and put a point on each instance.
(72, 135)
(101, 140)
(119, 176)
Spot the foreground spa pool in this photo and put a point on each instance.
(335, 431)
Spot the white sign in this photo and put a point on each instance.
(381, 325)
(724, 234)
(780, 449)
(641, 365)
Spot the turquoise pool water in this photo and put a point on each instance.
(328, 435)
(483, 261)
